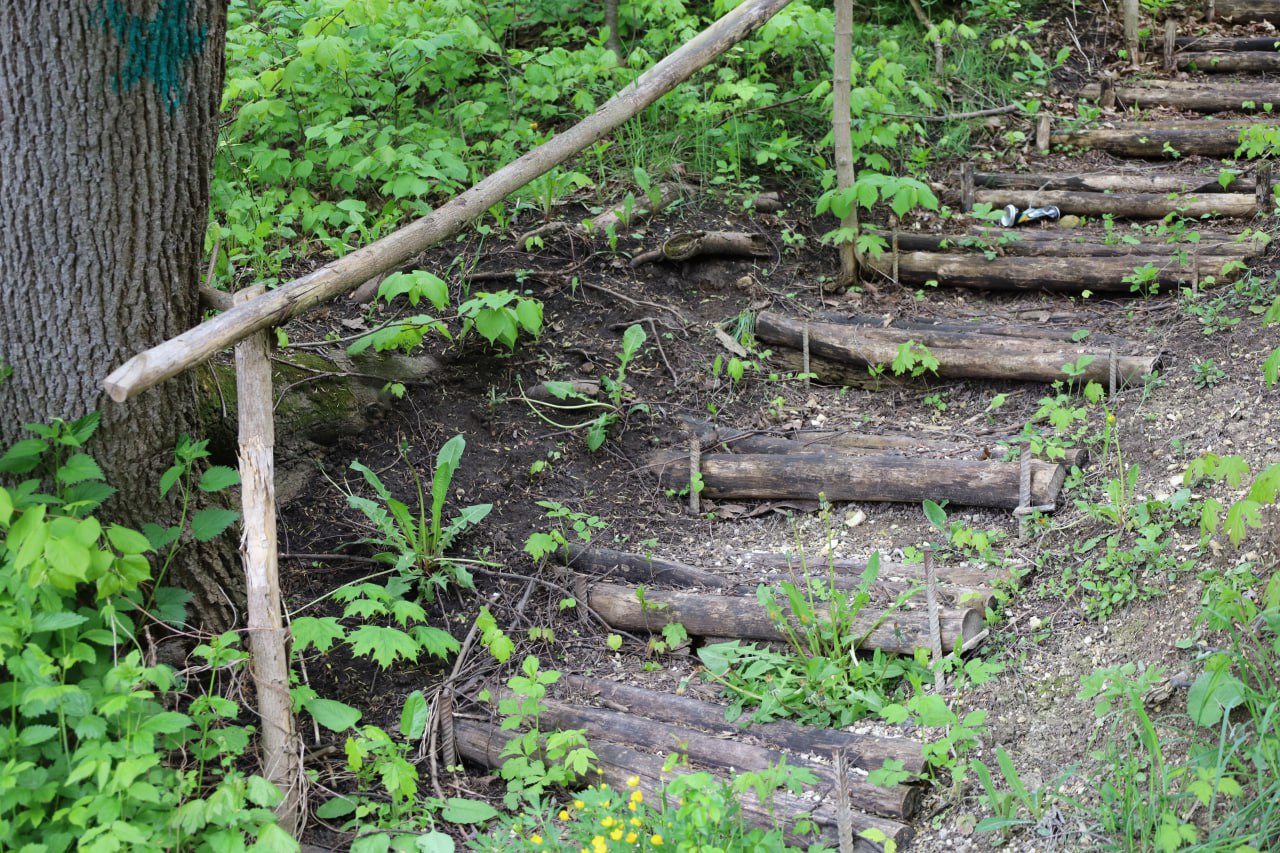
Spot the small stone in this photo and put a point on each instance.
(855, 518)
(1069, 222)
(1034, 623)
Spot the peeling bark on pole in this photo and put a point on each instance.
(157, 364)
(269, 658)
(842, 135)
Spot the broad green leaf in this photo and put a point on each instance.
(263, 793)
(166, 723)
(272, 838)
(434, 842)
(334, 716)
(23, 456)
(315, 632)
(336, 807)
(413, 718)
(78, 468)
(529, 314)
(384, 645)
(211, 521)
(127, 541)
(218, 478)
(937, 515)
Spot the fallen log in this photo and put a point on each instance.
(195, 345)
(1253, 61)
(615, 765)
(865, 751)
(725, 754)
(1194, 96)
(1137, 182)
(803, 476)
(1243, 11)
(1020, 331)
(694, 244)
(1217, 43)
(636, 568)
(1155, 140)
(727, 439)
(957, 576)
(1061, 243)
(1127, 205)
(1102, 275)
(900, 631)
(959, 355)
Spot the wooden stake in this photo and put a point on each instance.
(966, 187)
(1044, 127)
(170, 358)
(1131, 31)
(1262, 189)
(842, 137)
(931, 605)
(1170, 42)
(269, 657)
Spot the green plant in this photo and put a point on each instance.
(821, 679)
(1019, 805)
(1243, 513)
(541, 544)
(613, 389)
(95, 755)
(1207, 374)
(535, 760)
(416, 543)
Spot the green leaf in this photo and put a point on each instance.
(127, 541)
(315, 632)
(435, 842)
(218, 478)
(23, 456)
(1213, 693)
(384, 645)
(36, 734)
(413, 719)
(170, 478)
(272, 838)
(937, 515)
(462, 810)
(336, 807)
(78, 468)
(211, 521)
(263, 793)
(333, 715)
(529, 315)
(377, 843)
(166, 723)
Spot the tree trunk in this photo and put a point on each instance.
(106, 145)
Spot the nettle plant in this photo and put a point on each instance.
(100, 750)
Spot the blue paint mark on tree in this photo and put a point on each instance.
(155, 48)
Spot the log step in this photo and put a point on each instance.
(1195, 96)
(1058, 242)
(1243, 11)
(1159, 140)
(1240, 44)
(803, 476)
(1135, 205)
(1065, 274)
(1220, 62)
(483, 744)
(1134, 182)
(980, 354)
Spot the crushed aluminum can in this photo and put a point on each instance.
(1012, 216)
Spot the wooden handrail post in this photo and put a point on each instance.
(269, 657)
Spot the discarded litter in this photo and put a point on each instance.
(1013, 217)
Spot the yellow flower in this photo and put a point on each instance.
(655, 840)
(631, 838)
(616, 835)
(533, 125)
(637, 796)
(564, 814)
(631, 806)
(635, 821)
(579, 804)
(598, 844)
(633, 781)
(607, 822)
(535, 839)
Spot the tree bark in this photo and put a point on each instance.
(1206, 97)
(1243, 43)
(1159, 139)
(163, 361)
(106, 145)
